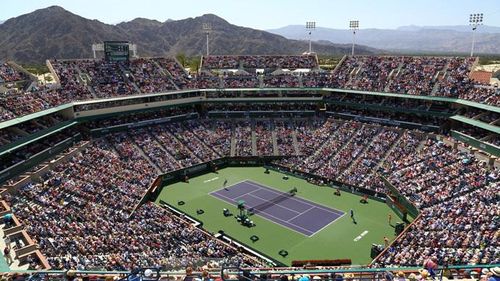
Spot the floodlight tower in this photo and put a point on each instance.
(207, 28)
(310, 25)
(475, 20)
(354, 26)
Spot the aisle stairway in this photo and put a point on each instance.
(275, 143)
(358, 158)
(145, 156)
(295, 143)
(233, 145)
(254, 141)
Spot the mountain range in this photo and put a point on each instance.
(431, 39)
(54, 32)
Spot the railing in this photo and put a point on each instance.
(38, 158)
(486, 147)
(169, 95)
(385, 121)
(350, 273)
(399, 198)
(271, 274)
(151, 122)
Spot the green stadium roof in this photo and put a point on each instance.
(476, 123)
(15, 147)
(34, 115)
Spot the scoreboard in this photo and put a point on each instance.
(116, 50)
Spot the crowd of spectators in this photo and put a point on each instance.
(311, 134)
(495, 140)
(436, 173)
(259, 62)
(205, 81)
(484, 116)
(369, 159)
(169, 142)
(315, 79)
(216, 133)
(399, 155)
(390, 115)
(341, 159)
(456, 81)
(407, 144)
(74, 85)
(98, 232)
(284, 137)
(261, 107)
(154, 150)
(109, 79)
(335, 137)
(281, 81)
(461, 230)
(149, 77)
(478, 133)
(438, 76)
(455, 191)
(177, 73)
(241, 81)
(24, 153)
(367, 72)
(407, 75)
(264, 138)
(418, 75)
(485, 94)
(6, 114)
(195, 144)
(22, 104)
(139, 117)
(8, 135)
(242, 133)
(207, 273)
(80, 215)
(9, 74)
(89, 79)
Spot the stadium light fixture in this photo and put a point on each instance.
(207, 28)
(354, 26)
(475, 20)
(310, 26)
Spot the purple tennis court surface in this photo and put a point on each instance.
(298, 214)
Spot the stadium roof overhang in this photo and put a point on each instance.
(476, 123)
(35, 115)
(327, 90)
(7, 149)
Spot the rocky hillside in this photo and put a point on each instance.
(56, 33)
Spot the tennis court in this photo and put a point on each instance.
(298, 214)
(333, 238)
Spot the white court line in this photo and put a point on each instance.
(319, 230)
(332, 211)
(303, 201)
(250, 193)
(212, 179)
(322, 207)
(227, 187)
(300, 214)
(236, 198)
(267, 200)
(283, 222)
(357, 238)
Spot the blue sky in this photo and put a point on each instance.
(266, 14)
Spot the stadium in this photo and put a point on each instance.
(250, 167)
